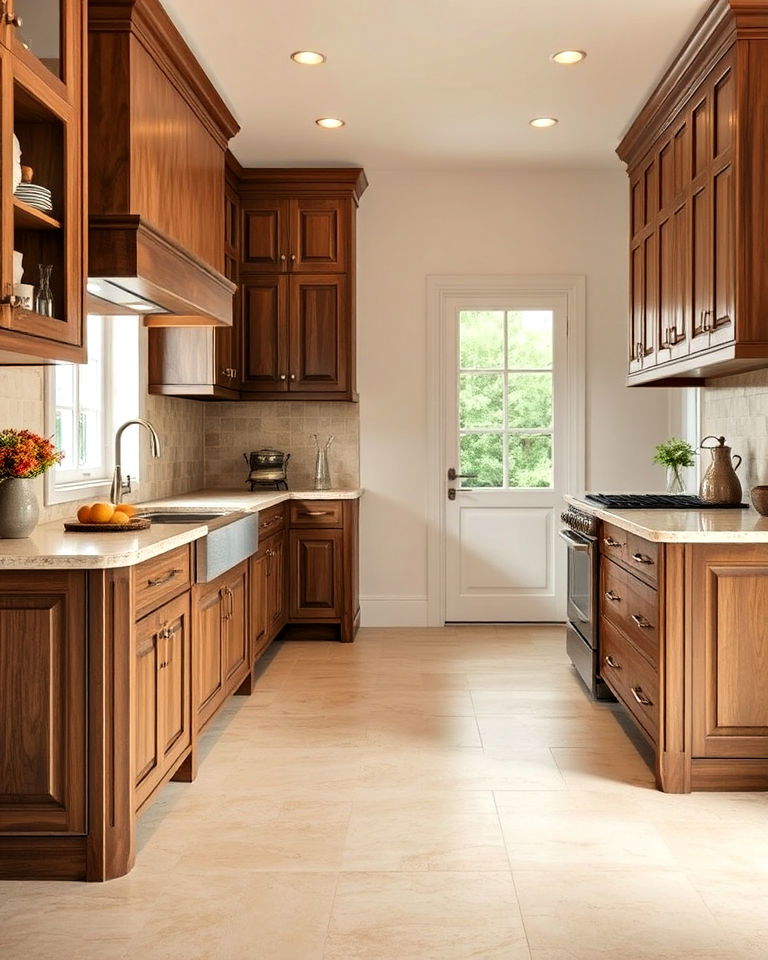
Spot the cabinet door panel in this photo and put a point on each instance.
(236, 632)
(265, 235)
(175, 683)
(42, 702)
(650, 325)
(701, 261)
(146, 700)
(315, 574)
(666, 311)
(700, 127)
(651, 191)
(209, 669)
(637, 308)
(729, 608)
(258, 604)
(265, 335)
(724, 266)
(277, 579)
(319, 238)
(724, 113)
(681, 282)
(637, 205)
(319, 334)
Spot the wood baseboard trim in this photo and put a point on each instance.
(42, 858)
(729, 774)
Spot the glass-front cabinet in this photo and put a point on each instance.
(43, 214)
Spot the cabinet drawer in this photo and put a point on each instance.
(634, 681)
(161, 579)
(643, 558)
(639, 556)
(271, 520)
(316, 513)
(631, 605)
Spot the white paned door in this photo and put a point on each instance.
(506, 389)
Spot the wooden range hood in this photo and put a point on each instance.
(158, 133)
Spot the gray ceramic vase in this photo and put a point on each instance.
(19, 511)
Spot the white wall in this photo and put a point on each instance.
(412, 224)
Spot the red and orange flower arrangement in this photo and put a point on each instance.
(24, 454)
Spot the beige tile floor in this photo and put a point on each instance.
(419, 795)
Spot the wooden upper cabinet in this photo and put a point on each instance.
(318, 334)
(265, 335)
(699, 205)
(43, 651)
(41, 102)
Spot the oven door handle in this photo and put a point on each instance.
(574, 541)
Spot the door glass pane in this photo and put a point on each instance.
(481, 339)
(530, 400)
(529, 337)
(482, 454)
(65, 385)
(530, 460)
(481, 400)
(90, 453)
(40, 31)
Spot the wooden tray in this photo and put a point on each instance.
(140, 523)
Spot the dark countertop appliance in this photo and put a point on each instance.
(268, 469)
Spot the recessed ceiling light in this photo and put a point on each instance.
(330, 123)
(309, 58)
(543, 122)
(568, 56)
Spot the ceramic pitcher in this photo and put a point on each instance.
(720, 483)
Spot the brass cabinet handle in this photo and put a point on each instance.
(642, 558)
(637, 693)
(641, 621)
(283, 376)
(706, 323)
(615, 665)
(165, 579)
(315, 513)
(234, 373)
(283, 257)
(610, 542)
(293, 258)
(613, 597)
(293, 376)
(13, 19)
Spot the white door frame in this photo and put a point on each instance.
(439, 290)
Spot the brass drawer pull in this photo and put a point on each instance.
(613, 597)
(615, 665)
(637, 693)
(315, 513)
(641, 621)
(161, 580)
(642, 558)
(610, 542)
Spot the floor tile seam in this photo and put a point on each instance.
(512, 877)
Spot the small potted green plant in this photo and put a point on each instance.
(675, 454)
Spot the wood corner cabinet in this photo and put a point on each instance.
(43, 104)
(290, 247)
(699, 207)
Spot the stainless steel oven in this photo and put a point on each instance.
(580, 531)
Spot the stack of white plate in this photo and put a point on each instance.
(35, 195)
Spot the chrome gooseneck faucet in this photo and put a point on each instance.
(119, 487)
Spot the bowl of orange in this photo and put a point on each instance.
(107, 517)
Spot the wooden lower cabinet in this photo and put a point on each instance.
(268, 608)
(162, 714)
(43, 657)
(322, 565)
(688, 659)
(221, 654)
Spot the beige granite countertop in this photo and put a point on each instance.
(684, 526)
(51, 547)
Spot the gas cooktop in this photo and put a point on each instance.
(658, 501)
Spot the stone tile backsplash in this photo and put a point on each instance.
(232, 429)
(737, 408)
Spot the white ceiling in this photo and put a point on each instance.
(433, 84)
